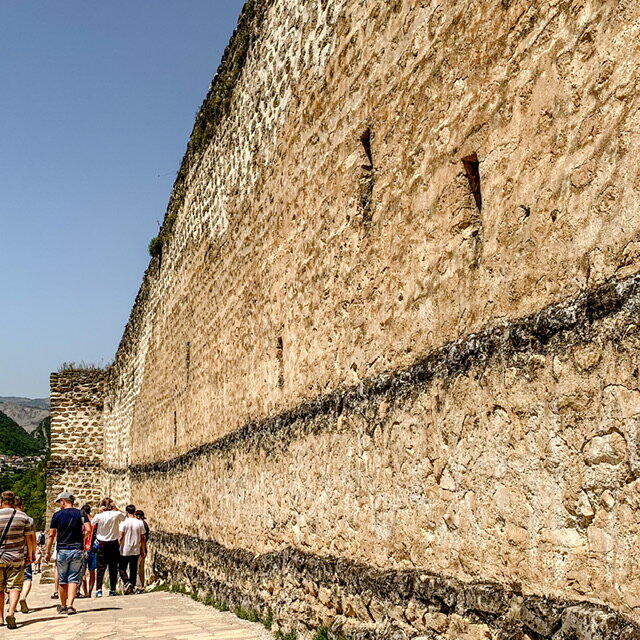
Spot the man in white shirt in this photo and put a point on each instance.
(132, 547)
(107, 531)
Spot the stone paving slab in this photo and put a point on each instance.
(148, 616)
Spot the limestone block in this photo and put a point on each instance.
(608, 449)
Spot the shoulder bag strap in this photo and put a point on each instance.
(6, 529)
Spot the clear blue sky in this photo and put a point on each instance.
(97, 100)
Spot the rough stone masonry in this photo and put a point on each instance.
(75, 464)
(383, 375)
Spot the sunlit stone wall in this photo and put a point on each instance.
(75, 464)
(384, 376)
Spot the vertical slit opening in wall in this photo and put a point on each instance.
(365, 139)
(175, 427)
(280, 357)
(188, 361)
(472, 170)
(367, 177)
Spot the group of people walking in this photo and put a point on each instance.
(84, 548)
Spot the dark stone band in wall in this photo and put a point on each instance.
(237, 577)
(552, 329)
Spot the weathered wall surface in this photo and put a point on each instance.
(348, 393)
(77, 399)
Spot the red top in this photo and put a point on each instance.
(88, 537)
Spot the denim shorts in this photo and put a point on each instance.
(70, 565)
(28, 573)
(91, 560)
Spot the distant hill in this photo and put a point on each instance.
(15, 441)
(36, 403)
(27, 412)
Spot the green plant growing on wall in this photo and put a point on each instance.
(158, 242)
(267, 621)
(155, 247)
(211, 601)
(67, 367)
(322, 634)
(245, 614)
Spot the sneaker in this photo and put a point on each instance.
(71, 611)
(54, 595)
(138, 591)
(24, 607)
(128, 589)
(99, 593)
(61, 609)
(112, 593)
(11, 622)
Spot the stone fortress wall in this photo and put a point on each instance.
(77, 398)
(384, 376)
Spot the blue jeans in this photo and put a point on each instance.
(70, 565)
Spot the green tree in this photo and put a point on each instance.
(31, 486)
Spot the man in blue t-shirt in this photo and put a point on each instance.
(69, 526)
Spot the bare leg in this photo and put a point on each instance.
(56, 579)
(14, 596)
(72, 589)
(26, 590)
(92, 581)
(63, 590)
(2, 606)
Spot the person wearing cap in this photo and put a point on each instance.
(69, 526)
